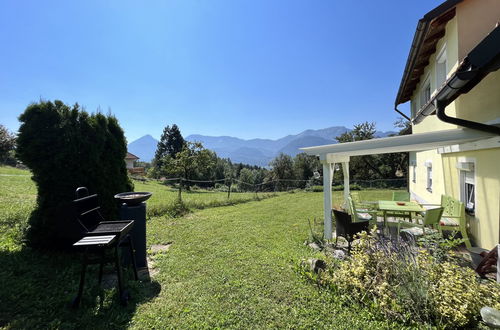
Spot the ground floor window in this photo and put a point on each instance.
(467, 186)
(428, 165)
(413, 165)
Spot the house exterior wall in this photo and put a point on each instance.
(485, 224)
(473, 21)
(450, 41)
(476, 19)
(130, 163)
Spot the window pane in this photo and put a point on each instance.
(469, 193)
(440, 73)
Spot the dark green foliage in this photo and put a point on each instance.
(193, 162)
(65, 148)
(304, 166)
(282, 169)
(374, 167)
(171, 143)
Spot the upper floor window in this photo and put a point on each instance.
(425, 93)
(441, 70)
(413, 108)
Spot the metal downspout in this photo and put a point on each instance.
(402, 114)
(440, 112)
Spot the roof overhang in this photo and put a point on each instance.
(402, 143)
(430, 29)
(131, 156)
(482, 60)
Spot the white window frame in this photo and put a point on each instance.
(426, 85)
(440, 58)
(414, 108)
(413, 164)
(428, 165)
(467, 166)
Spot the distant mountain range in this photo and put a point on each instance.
(253, 152)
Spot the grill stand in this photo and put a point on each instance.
(99, 245)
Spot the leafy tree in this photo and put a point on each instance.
(363, 131)
(193, 162)
(170, 144)
(247, 177)
(371, 167)
(361, 167)
(304, 166)
(282, 169)
(7, 144)
(65, 148)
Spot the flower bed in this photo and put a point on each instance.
(412, 284)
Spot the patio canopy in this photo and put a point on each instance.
(341, 153)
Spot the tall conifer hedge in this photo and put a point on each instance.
(65, 148)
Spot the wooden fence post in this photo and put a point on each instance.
(180, 190)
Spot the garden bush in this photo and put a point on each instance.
(409, 284)
(65, 148)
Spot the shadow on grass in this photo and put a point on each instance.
(36, 290)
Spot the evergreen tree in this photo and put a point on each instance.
(65, 148)
(170, 144)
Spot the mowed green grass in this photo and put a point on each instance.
(17, 200)
(164, 196)
(236, 267)
(228, 267)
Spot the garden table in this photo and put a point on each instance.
(395, 206)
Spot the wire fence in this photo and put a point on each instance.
(233, 185)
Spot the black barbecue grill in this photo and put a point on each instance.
(99, 236)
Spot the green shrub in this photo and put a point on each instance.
(409, 284)
(65, 148)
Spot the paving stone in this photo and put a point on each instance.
(491, 317)
(160, 248)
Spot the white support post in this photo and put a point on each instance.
(327, 196)
(345, 169)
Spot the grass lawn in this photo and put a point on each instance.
(228, 267)
(164, 196)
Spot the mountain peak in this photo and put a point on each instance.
(254, 151)
(144, 147)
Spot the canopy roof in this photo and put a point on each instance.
(401, 143)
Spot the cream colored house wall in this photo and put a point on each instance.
(419, 188)
(473, 21)
(476, 18)
(483, 102)
(485, 225)
(450, 41)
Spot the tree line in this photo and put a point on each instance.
(177, 158)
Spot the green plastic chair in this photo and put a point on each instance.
(453, 218)
(361, 214)
(401, 196)
(428, 224)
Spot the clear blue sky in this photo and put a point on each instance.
(255, 68)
